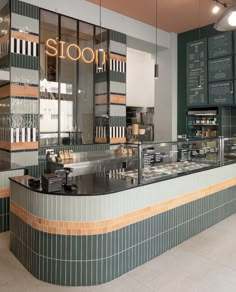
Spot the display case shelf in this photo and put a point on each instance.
(202, 123)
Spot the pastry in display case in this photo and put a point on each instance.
(158, 161)
(163, 171)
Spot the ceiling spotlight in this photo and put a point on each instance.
(216, 8)
(232, 19)
(156, 66)
(227, 20)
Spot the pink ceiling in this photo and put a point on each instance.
(173, 15)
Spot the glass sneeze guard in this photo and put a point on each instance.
(164, 160)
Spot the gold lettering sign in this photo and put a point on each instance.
(91, 53)
(68, 52)
(87, 55)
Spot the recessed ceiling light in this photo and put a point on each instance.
(216, 8)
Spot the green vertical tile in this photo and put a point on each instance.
(58, 247)
(88, 274)
(73, 248)
(62, 280)
(25, 9)
(73, 276)
(84, 247)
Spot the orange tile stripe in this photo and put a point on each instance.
(25, 36)
(26, 91)
(101, 227)
(101, 140)
(4, 193)
(117, 140)
(120, 99)
(5, 91)
(19, 146)
(101, 99)
(118, 57)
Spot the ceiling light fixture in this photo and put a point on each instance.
(232, 18)
(156, 68)
(227, 20)
(199, 79)
(218, 5)
(100, 50)
(216, 8)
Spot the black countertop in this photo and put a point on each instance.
(6, 166)
(87, 185)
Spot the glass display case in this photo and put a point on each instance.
(148, 162)
(202, 124)
(229, 150)
(159, 161)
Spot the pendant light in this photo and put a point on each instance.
(227, 20)
(100, 50)
(199, 80)
(216, 7)
(156, 68)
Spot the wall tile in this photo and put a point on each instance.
(117, 110)
(25, 9)
(24, 62)
(24, 24)
(117, 87)
(24, 76)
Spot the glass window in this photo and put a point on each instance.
(49, 89)
(67, 74)
(4, 34)
(68, 82)
(86, 85)
(101, 91)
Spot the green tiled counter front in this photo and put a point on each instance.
(4, 214)
(77, 258)
(92, 260)
(4, 197)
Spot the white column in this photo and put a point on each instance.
(165, 118)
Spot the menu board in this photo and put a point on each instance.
(220, 45)
(220, 69)
(197, 72)
(221, 93)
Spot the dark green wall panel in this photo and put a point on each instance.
(118, 37)
(24, 9)
(23, 61)
(183, 39)
(118, 76)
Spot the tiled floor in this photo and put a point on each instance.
(205, 263)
